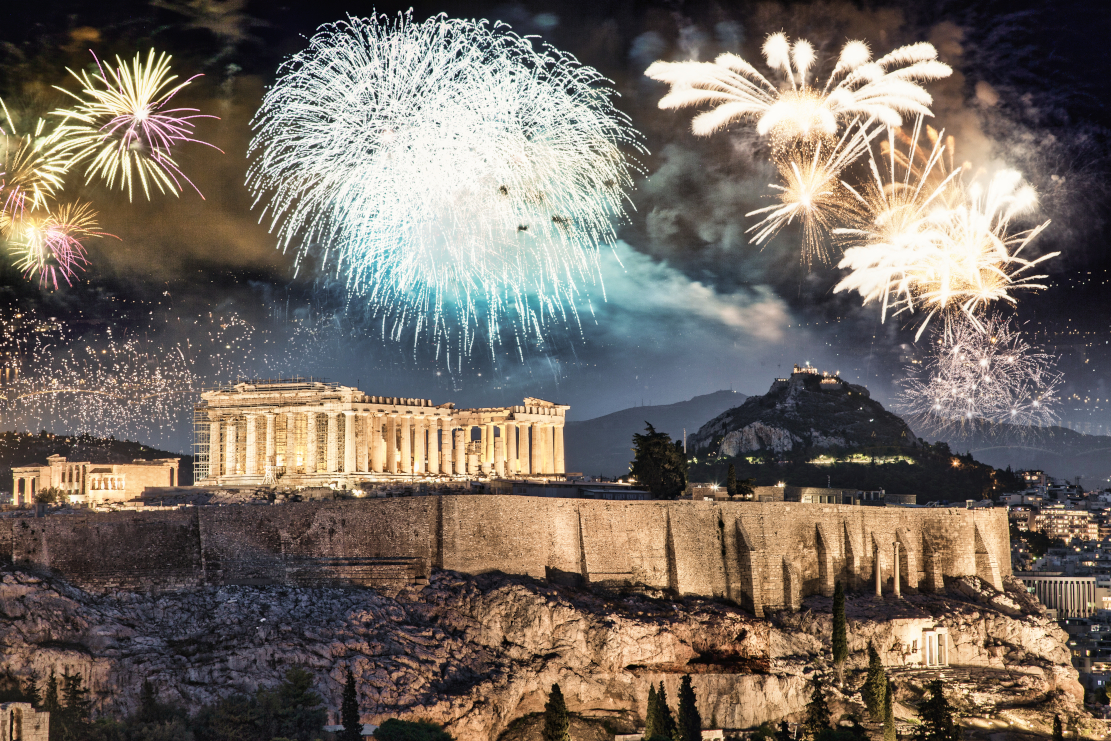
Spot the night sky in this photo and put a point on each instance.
(690, 308)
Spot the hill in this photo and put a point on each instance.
(29, 449)
(603, 445)
(1058, 451)
(808, 411)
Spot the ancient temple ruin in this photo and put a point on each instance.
(308, 433)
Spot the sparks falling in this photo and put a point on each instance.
(981, 372)
(455, 177)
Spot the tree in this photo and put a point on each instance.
(1058, 729)
(731, 481)
(652, 715)
(784, 732)
(557, 724)
(746, 488)
(689, 722)
(50, 699)
(349, 711)
(31, 690)
(875, 684)
(936, 716)
(889, 714)
(409, 730)
(664, 720)
(659, 463)
(817, 711)
(294, 710)
(840, 630)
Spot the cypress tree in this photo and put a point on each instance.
(1058, 729)
(784, 732)
(31, 691)
(651, 715)
(840, 629)
(875, 684)
(349, 711)
(666, 719)
(936, 715)
(817, 711)
(690, 722)
(50, 699)
(557, 724)
(731, 481)
(889, 714)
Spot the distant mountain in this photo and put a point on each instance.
(603, 446)
(31, 449)
(807, 411)
(1058, 451)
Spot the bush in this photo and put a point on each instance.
(409, 730)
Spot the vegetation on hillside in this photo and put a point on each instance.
(659, 464)
(932, 472)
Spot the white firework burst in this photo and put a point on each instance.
(985, 373)
(455, 177)
(885, 89)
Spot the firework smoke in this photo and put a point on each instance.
(451, 172)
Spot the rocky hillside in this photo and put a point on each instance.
(808, 411)
(476, 654)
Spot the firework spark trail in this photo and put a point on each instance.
(48, 244)
(884, 89)
(924, 238)
(812, 190)
(121, 128)
(979, 372)
(452, 173)
(31, 169)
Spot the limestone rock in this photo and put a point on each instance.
(477, 653)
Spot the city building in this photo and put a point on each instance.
(1058, 521)
(92, 484)
(296, 433)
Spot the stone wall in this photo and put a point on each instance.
(764, 555)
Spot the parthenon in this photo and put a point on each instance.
(309, 433)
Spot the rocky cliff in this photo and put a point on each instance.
(806, 411)
(476, 653)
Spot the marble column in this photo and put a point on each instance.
(290, 459)
(420, 451)
(362, 453)
(877, 571)
(406, 445)
(511, 465)
(537, 445)
(560, 464)
(460, 452)
(214, 449)
(377, 444)
(489, 454)
(434, 446)
(482, 442)
(331, 442)
(230, 442)
(391, 443)
(447, 454)
(251, 463)
(310, 442)
(348, 442)
(523, 453)
(898, 590)
(499, 456)
(271, 442)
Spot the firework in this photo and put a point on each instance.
(31, 169)
(924, 239)
(978, 372)
(885, 89)
(812, 191)
(450, 171)
(121, 127)
(48, 243)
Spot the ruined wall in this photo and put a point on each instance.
(764, 555)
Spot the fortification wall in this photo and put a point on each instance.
(764, 555)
